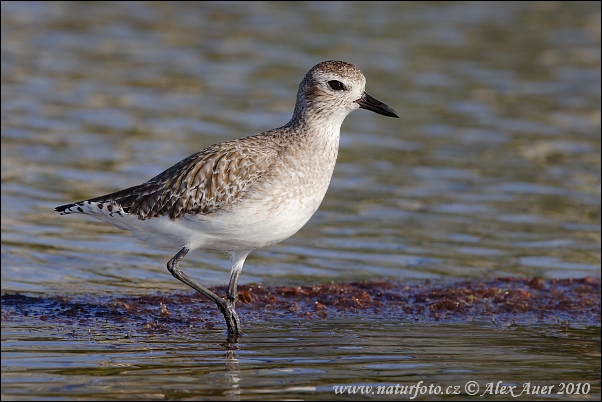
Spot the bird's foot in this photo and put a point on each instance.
(232, 320)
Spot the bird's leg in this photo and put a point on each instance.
(238, 259)
(225, 307)
(232, 292)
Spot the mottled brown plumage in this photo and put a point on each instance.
(237, 196)
(206, 182)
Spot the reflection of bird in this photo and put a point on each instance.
(237, 196)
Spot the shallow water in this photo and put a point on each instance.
(492, 170)
(298, 361)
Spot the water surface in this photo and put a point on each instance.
(492, 170)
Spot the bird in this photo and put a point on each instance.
(241, 195)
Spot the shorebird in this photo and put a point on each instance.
(241, 195)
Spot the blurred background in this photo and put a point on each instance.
(492, 169)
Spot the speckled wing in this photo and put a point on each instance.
(205, 182)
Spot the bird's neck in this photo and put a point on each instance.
(316, 131)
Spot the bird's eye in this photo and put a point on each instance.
(336, 85)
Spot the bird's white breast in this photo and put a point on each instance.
(275, 209)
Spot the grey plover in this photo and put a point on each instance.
(237, 196)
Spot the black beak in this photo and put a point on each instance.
(369, 103)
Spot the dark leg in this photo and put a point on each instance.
(238, 259)
(232, 292)
(227, 309)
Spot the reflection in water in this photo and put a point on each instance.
(232, 370)
(312, 338)
(306, 360)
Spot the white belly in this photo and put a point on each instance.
(248, 226)
(267, 216)
(277, 208)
